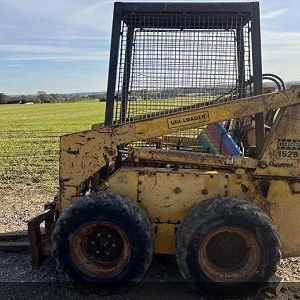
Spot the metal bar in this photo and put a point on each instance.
(35, 236)
(14, 246)
(184, 7)
(241, 63)
(12, 236)
(126, 73)
(14, 241)
(113, 64)
(257, 75)
(139, 129)
(194, 158)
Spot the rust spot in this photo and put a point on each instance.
(105, 159)
(262, 165)
(75, 152)
(229, 254)
(100, 248)
(64, 180)
(264, 187)
(110, 151)
(244, 188)
(177, 190)
(204, 192)
(167, 206)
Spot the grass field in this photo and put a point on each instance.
(29, 139)
(29, 136)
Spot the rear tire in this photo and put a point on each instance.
(227, 245)
(103, 238)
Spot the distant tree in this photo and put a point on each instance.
(4, 98)
(56, 98)
(97, 96)
(43, 96)
(144, 94)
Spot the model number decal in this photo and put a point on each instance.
(288, 148)
(188, 119)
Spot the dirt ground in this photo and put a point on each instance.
(163, 279)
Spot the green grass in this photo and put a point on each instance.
(29, 135)
(29, 138)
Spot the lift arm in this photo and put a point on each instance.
(83, 154)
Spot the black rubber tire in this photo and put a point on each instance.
(211, 215)
(110, 207)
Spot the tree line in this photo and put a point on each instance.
(43, 97)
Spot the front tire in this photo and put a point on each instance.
(103, 238)
(227, 245)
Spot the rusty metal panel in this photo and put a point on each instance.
(193, 158)
(123, 182)
(167, 195)
(284, 211)
(281, 152)
(85, 153)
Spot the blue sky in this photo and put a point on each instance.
(63, 45)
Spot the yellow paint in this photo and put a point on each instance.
(166, 194)
(164, 238)
(285, 212)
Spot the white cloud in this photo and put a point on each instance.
(280, 54)
(287, 43)
(274, 14)
(20, 52)
(61, 58)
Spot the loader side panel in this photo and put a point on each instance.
(284, 199)
(281, 153)
(167, 195)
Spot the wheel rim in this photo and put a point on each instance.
(100, 249)
(229, 254)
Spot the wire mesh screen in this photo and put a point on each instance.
(175, 62)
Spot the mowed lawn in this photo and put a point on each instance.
(29, 138)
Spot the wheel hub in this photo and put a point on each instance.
(229, 254)
(100, 248)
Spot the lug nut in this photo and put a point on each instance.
(98, 234)
(107, 253)
(109, 236)
(93, 242)
(97, 251)
(113, 245)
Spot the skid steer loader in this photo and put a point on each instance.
(184, 164)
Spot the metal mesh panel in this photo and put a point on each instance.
(175, 62)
